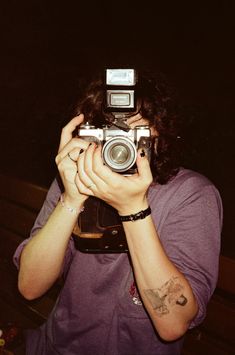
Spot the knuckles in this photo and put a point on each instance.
(61, 164)
(148, 181)
(57, 159)
(78, 142)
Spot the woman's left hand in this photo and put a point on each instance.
(127, 194)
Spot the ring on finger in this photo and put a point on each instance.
(75, 161)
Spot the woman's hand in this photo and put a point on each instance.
(66, 160)
(125, 193)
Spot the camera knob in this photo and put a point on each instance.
(87, 125)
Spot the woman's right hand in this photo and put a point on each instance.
(68, 153)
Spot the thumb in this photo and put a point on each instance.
(67, 131)
(143, 166)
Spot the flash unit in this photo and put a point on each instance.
(120, 90)
(120, 77)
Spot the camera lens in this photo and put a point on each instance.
(119, 153)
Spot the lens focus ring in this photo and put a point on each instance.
(119, 153)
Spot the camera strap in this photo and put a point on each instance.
(99, 229)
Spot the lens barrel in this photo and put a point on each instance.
(119, 153)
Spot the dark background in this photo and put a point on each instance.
(48, 49)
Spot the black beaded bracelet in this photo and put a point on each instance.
(134, 217)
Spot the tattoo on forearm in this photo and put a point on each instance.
(167, 296)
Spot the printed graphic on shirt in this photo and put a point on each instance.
(135, 295)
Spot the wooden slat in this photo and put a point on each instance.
(16, 218)
(10, 297)
(226, 274)
(14, 314)
(8, 243)
(199, 343)
(220, 319)
(39, 309)
(22, 192)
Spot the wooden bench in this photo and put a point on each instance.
(20, 203)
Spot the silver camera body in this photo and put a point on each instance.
(119, 148)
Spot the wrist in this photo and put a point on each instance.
(134, 207)
(136, 216)
(71, 205)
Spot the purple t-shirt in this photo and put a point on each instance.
(99, 311)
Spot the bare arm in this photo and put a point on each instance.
(42, 258)
(165, 292)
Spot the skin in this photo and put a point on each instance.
(165, 292)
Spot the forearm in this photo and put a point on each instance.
(42, 258)
(165, 291)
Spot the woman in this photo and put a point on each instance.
(141, 302)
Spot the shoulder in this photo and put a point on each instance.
(186, 188)
(194, 189)
(186, 181)
(191, 183)
(190, 178)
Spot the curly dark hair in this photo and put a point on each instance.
(156, 103)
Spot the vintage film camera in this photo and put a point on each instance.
(119, 142)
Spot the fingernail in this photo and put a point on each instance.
(142, 154)
(81, 151)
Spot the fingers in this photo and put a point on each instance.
(67, 131)
(83, 189)
(136, 120)
(133, 118)
(143, 167)
(84, 179)
(73, 148)
(96, 179)
(87, 168)
(103, 171)
(66, 160)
